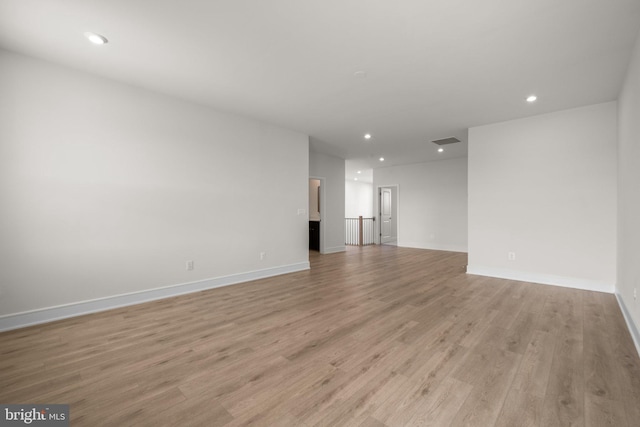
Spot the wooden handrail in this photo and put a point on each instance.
(361, 234)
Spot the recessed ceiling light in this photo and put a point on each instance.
(531, 98)
(367, 136)
(96, 38)
(359, 171)
(381, 159)
(440, 150)
(355, 179)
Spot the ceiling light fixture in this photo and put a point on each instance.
(440, 150)
(381, 159)
(96, 38)
(531, 98)
(359, 171)
(355, 179)
(367, 136)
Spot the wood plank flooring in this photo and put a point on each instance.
(377, 336)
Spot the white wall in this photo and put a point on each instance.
(358, 199)
(544, 188)
(629, 195)
(108, 189)
(432, 203)
(332, 212)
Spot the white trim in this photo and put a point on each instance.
(635, 335)
(544, 279)
(34, 317)
(334, 249)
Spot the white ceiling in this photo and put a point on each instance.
(433, 67)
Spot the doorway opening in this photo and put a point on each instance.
(316, 213)
(388, 214)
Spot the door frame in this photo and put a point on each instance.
(323, 209)
(396, 208)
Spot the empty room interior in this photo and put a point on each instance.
(179, 182)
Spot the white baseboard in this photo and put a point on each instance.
(34, 317)
(334, 249)
(545, 279)
(418, 245)
(633, 330)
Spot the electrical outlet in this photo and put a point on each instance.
(190, 265)
(263, 255)
(511, 256)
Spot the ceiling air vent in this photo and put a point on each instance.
(446, 141)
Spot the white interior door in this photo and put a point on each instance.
(386, 208)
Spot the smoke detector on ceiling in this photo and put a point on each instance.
(445, 141)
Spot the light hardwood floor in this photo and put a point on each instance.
(372, 337)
